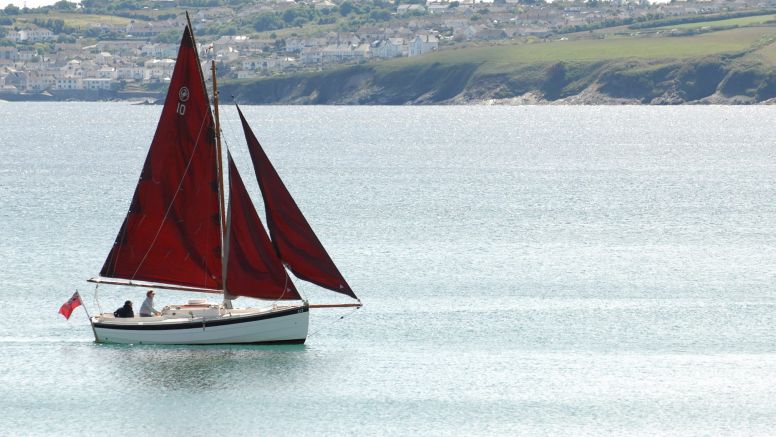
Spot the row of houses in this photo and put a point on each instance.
(384, 48)
(14, 81)
(252, 66)
(80, 75)
(32, 35)
(113, 63)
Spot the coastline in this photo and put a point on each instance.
(591, 95)
(587, 98)
(83, 96)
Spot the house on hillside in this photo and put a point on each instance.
(324, 4)
(30, 35)
(423, 44)
(295, 45)
(40, 81)
(97, 84)
(68, 83)
(8, 54)
(345, 52)
(106, 72)
(144, 29)
(158, 69)
(26, 54)
(390, 48)
(120, 47)
(104, 58)
(370, 33)
(439, 8)
(13, 80)
(311, 56)
(130, 72)
(158, 50)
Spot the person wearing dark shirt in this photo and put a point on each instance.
(125, 311)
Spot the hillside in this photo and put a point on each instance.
(696, 64)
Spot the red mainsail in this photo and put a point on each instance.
(172, 232)
(253, 268)
(294, 240)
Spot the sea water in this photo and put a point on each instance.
(524, 270)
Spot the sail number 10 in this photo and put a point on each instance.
(183, 97)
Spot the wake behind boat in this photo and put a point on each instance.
(180, 234)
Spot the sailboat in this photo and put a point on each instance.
(181, 234)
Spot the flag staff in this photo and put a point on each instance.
(82, 304)
(87, 314)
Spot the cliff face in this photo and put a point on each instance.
(709, 80)
(429, 84)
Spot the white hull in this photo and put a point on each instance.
(210, 325)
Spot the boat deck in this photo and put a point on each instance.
(178, 314)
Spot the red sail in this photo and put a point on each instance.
(172, 232)
(294, 240)
(253, 269)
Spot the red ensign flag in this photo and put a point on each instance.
(67, 308)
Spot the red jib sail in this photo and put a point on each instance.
(294, 240)
(172, 231)
(253, 269)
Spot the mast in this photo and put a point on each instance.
(218, 148)
(224, 251)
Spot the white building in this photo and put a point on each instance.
(69, 83)
(158, 69)
(103, 58)
(40, 81)
(26, 54)
(345, 52)
(390, 48)
(106, 72)
(310, 56)
(96, 84)
(160, 50)
(423, 44)
(30, 35)
(131, 72)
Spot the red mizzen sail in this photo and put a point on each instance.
(253, 268)
(172, 232)
(294, 240)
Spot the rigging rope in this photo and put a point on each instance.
(333, 322)
(96, 298)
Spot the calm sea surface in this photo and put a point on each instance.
(525, 270)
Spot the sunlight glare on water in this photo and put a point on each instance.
(535, 270)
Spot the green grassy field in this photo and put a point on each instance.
(505, 58)
(731, 22)
(76, 20)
